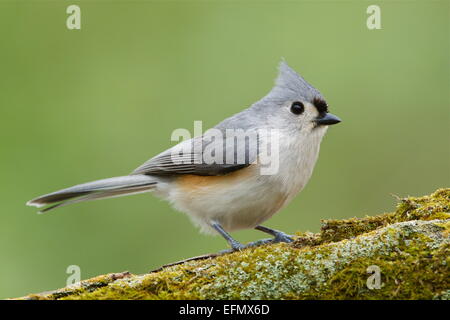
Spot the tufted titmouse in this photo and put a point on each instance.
(232, 192)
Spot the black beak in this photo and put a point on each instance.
(327, 119)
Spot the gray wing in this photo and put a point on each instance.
(188, 157)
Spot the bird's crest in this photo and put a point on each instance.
(289, 84)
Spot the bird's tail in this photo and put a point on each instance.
(100, 189)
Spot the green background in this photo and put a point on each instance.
(80, 105)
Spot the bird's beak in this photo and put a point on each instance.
(327, 119)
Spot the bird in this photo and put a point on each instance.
(224, 186)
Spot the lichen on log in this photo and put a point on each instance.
(410, 248)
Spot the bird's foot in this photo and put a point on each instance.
(282, 237)
(235, 246)
(278, 236)
(258, 243)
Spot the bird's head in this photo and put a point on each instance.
(295, 105)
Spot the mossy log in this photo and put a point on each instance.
(409, 248)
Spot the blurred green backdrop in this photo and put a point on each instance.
(80, 105)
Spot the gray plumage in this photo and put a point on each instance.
(99, 189)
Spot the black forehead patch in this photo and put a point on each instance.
(321, 105)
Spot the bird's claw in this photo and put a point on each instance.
(282, 237)
(237, 246)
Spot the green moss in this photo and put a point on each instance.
(86, 286)
(433, 207)
(410, 246)
(423, 274)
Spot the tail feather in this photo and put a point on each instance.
(100, 189)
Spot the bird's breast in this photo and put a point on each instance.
(245, 198)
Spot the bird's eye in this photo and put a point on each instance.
(297, 107)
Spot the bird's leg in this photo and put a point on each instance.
(235, 245)
(278, 235)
